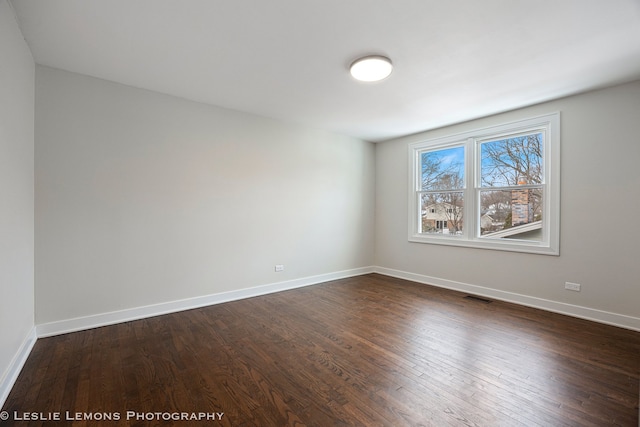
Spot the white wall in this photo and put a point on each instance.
(600, 202)
(16, 196)
(143, 198)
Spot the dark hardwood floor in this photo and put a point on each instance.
(369, 351)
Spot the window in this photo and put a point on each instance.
(493, 188)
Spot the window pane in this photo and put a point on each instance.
(442, 213)
(442, 169)
(511, 214)
(512, 161)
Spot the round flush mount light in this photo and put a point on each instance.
(371, 68)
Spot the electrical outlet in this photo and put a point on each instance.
(572, 286)
(279, 267)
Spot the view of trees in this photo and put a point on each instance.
(442, 175)
(505, 164)
(512, 162)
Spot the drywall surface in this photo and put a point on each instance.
(599, 233)
(16, 190)
(143, 198)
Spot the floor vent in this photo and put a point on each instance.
(478, 299)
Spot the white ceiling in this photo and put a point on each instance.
(288, 59)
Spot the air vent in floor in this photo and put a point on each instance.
(479, 299)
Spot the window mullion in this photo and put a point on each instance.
(470, 206)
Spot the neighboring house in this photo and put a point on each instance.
(447, 218)
(442, 217)
(523, 220)
(487, 221)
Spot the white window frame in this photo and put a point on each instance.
(549, 244)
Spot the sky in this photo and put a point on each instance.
(451, 161)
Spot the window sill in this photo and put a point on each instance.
(522, 246)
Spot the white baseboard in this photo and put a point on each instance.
(614, 319)
(110, 318)
(104, 319)
(16, 365)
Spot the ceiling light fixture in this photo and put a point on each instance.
(371, 68)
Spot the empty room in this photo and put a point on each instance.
(320, 213)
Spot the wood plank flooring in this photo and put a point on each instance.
(365, 351)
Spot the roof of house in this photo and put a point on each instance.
(513, 231)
